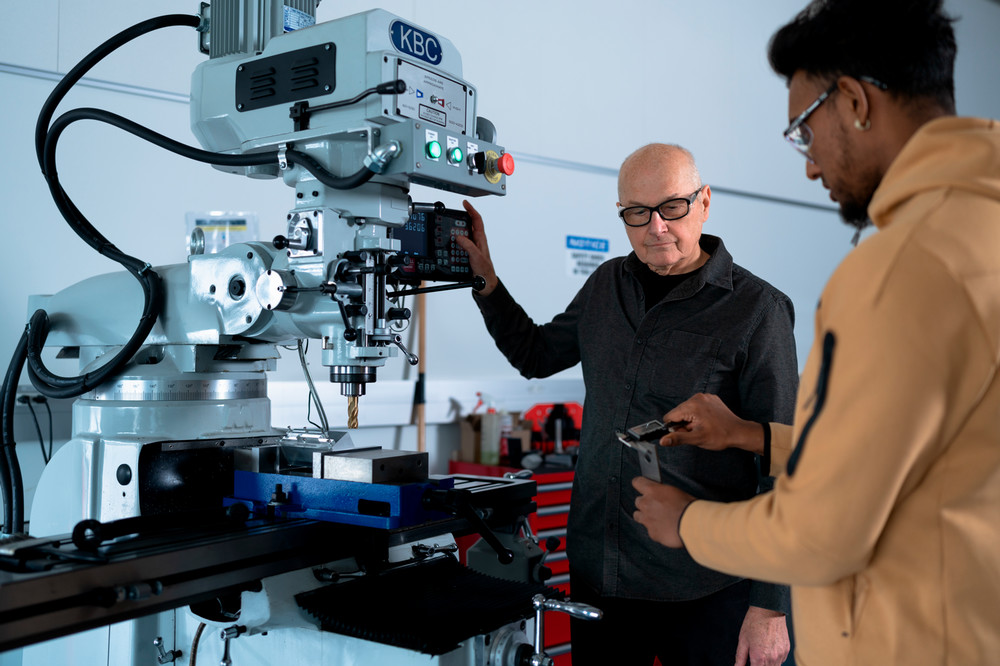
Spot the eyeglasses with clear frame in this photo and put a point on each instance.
(671, 209)
(800, 135)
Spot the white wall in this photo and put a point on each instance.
(573, 87)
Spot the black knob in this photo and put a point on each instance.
(356, 309)
(124, 474)
(237, 288)
(479, 160)
(356, 255)
(279, 496)
(396, 87)
(398, 313)
(88, 534)
(280, 242)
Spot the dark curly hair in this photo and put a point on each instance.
(909, 45)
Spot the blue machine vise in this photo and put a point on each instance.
(380, 505)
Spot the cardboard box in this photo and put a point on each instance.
(518, 443)
(471, 444)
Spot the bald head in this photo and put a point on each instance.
(664, 180)
(675, 162)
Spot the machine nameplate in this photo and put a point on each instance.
(431, 97)
(415, 42)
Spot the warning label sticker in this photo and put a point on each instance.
(584, 255)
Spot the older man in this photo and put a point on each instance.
(673, 318)
(887, 520)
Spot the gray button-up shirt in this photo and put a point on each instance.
(723, 331)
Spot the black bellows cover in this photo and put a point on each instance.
(430, 607)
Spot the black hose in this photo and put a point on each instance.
(91, 59)
(307, 162)
(360, 177)
(46, 140)
(44, 381)
(55, 386)
(11, 480)
(6, 480)
(184, 150)
(49, 411)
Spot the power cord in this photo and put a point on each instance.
(26, 400)
(45, 401)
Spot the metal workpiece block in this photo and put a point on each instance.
(375, 466)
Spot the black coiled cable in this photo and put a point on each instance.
(44, 381)
(32, 342)
(33, 338)
(10, 478)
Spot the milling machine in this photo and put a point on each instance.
(176, 506)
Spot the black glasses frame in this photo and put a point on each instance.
(800, 135)
(688, 200)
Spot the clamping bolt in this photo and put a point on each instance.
(165, 657)
(574, 609)
(422, 551)
(227, 635)
(410, 358)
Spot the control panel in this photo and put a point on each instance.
(430, 247)
(448, 160)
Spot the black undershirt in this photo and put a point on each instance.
(656, 287)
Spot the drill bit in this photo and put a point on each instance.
(352, 411)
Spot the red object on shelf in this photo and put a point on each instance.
(539, 413)
(539, 416)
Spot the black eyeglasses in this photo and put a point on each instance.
(671, 209)
(800, 135)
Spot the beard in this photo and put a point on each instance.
(854, 203)
(855, 214)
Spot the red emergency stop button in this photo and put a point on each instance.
(494, 166)
(505, 164)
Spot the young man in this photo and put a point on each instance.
(887, 520)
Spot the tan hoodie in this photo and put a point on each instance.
(887, 520)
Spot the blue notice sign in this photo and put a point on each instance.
(589, 244)
(584, 255)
